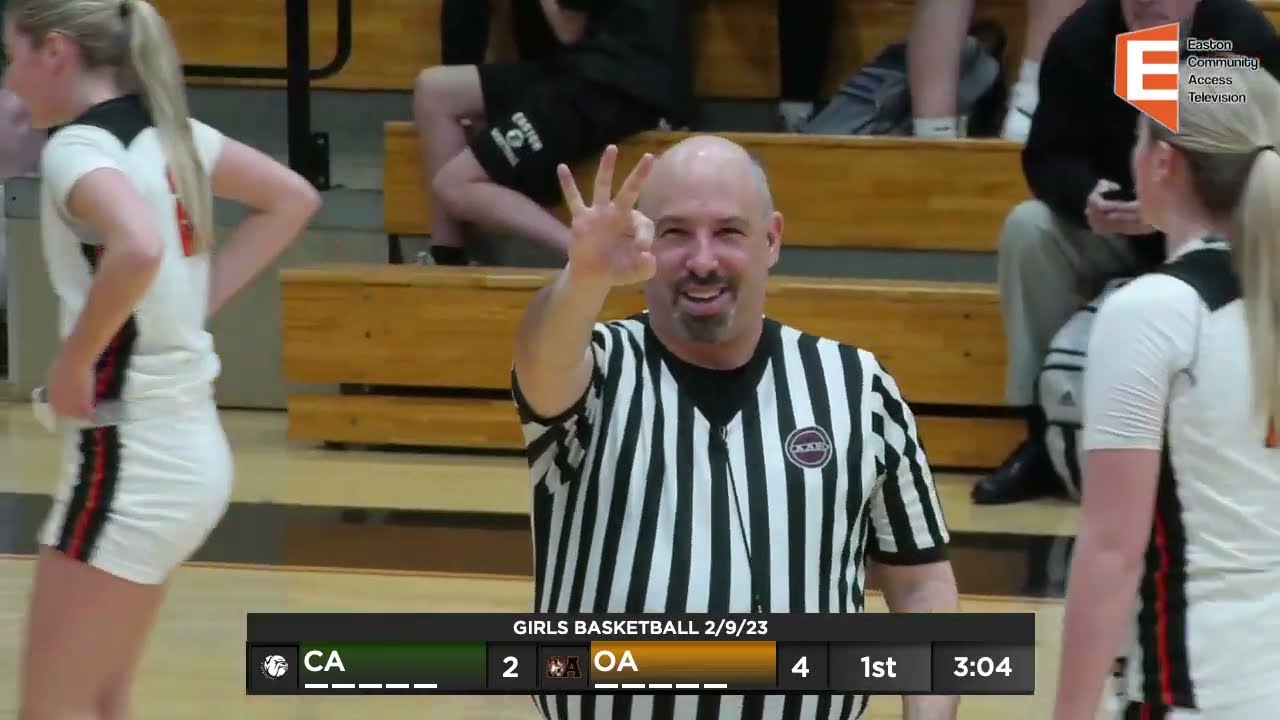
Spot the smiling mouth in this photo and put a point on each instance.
(703, 296)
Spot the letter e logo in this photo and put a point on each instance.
(1147, 72)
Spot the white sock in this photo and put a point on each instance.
(1023, 98)
(1025, 94)
(941, 127)
(1030, 72)
(794, 114)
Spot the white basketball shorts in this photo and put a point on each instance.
(1266, 707)
(137, 499)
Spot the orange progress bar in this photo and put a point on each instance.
(685, 663)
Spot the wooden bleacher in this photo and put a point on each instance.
(450, 330)
(736, 46)
(735, 40)
(889, 193)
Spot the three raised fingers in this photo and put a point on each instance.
(642, 228)
(604, 176)
(569, 189)
(629, 193)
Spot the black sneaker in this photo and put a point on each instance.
(447, 255)
(1025, 475)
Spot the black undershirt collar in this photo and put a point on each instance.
(720, 394)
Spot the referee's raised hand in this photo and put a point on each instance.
(611, 240)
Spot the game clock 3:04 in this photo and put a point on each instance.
(975, 669)
(983, 666)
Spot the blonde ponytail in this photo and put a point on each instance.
(1231, 154)
(1258, 267)
(155, 64)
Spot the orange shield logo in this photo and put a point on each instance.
(1147, 72)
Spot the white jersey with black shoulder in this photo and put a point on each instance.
(1171, 371)
(163, 350)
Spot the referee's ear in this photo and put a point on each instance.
(773, 236)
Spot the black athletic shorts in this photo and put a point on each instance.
(542, 113)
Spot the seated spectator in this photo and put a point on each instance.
(479, 32)
(934, 48)
(20, 146)
(804, 50)
(1058, 250)
(464, 31)
(531, 32)
(620, 67)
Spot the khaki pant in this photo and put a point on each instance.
(1047, 268)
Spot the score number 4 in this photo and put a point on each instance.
(801, 667)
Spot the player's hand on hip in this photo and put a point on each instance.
(70, 387)
(611, 241)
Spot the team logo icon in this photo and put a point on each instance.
(274, 666)
(555, 667)
(560, 667)
(809, 447)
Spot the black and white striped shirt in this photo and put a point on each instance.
(671, 488)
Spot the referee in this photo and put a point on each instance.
(701, 457)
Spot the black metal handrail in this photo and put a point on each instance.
(308, 150)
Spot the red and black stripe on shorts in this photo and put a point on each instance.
(99, 447)
(1145, 711)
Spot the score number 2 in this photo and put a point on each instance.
(512, 667)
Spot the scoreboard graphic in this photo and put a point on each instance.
(478, 653)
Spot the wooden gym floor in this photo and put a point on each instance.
(316, 530)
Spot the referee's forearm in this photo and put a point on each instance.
(929, 707)
(933, 591)
(554, 337)
(925, 588)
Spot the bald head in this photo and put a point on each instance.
(709, 160)
(708, 148)
(715, 238)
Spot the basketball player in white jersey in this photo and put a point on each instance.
(127, 190)
(1177, 566)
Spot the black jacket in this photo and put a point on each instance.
(1082, 132)
(642, 47)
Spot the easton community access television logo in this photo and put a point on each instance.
(1147, 72)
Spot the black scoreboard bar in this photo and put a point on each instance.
(488, 653)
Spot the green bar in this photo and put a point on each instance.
(451, 666)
